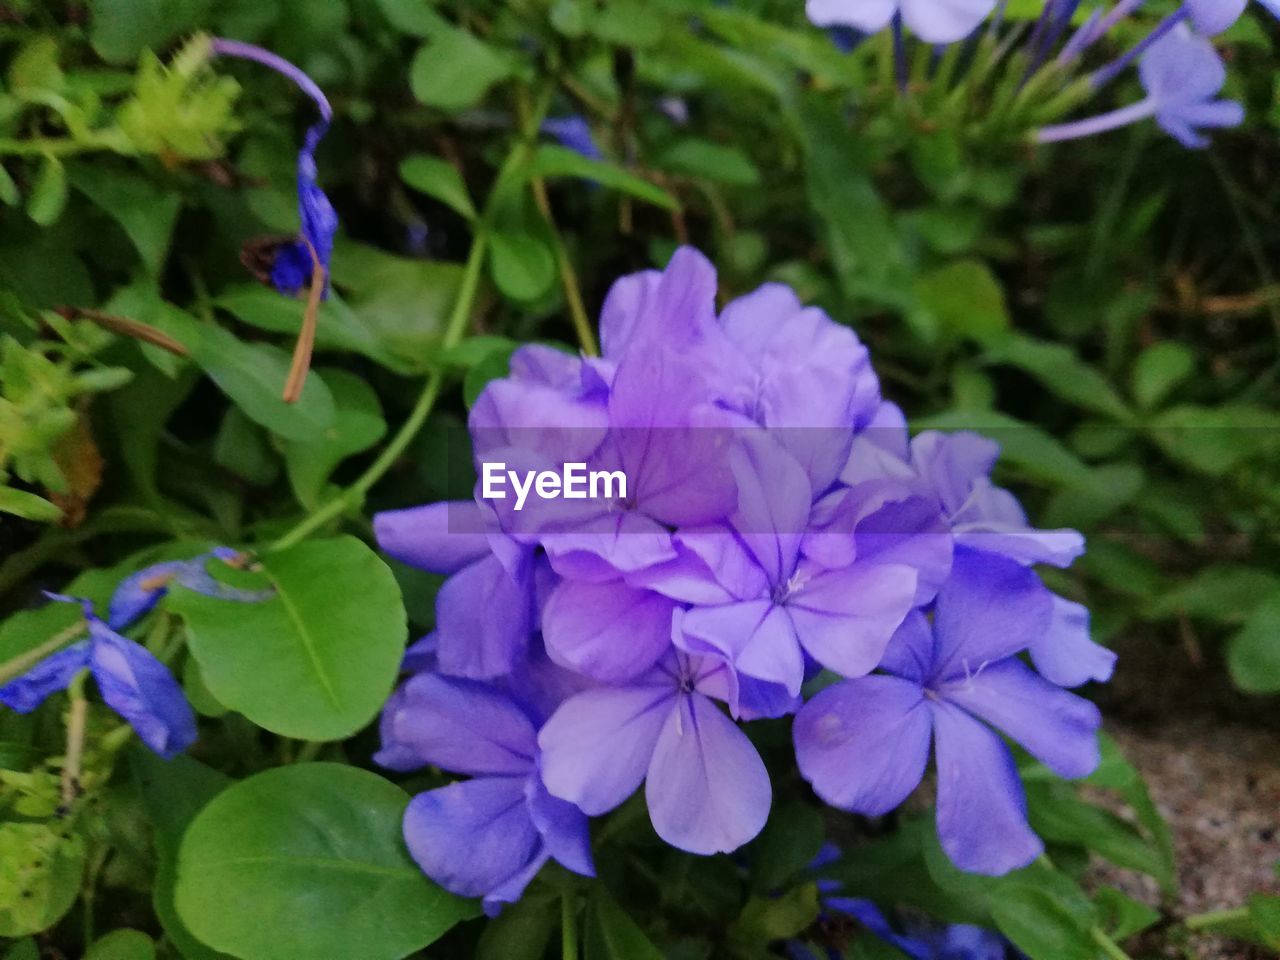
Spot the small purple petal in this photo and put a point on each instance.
(142, 690)
(50, 675)
(484, 619)
(608, 631)
(1065, 654)
(439, 537)
(562, 826)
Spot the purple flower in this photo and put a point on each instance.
(295, 262)
(132, 682)
(138, 593)
(573, 132)
(706, 787)
(485, 610)
(1182, 75)
(490, 835)
(864, 743)
(933, 21)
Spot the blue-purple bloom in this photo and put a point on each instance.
(933, 21)
(919, 940)
(573, 131)
(294, 264)
(778, 521)
(1182, 75)
(131, 680)
(139, 592)
(864, 743)
(490, 835)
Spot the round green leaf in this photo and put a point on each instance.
(40, 871)
(308, 861)
(318, 659)
(122, 945)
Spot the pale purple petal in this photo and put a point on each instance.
(472, 837)
(912, 651)
(597, 746)
(610, 543)
(562, 826)
(483, 619)
(982, 812)
(707, 788)
(774, 500)
(1065, 654)
(608, 631)
(868, 16)
(881, 450)
(755, 636)
(863, 744)
(439, 537)
(950, 464)
(1056, 727)
(845, 618)
(630, 306)
(945, 21)
(989, 609)
(458, 725)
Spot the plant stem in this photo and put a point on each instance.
(454, 330)
(1216, 918)
(76, 719)
(25, 661)
(1108, 945)
(568, 929)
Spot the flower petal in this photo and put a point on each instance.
(46, 678)
(458, 725)
(142, 690)
(864, 743)
(472, 837)
(990, 608)
(755, 637)
(440, 537)
(596, 747)
(1057, 728)
(484, 618)
(1065, 654)
(562, 826)
(608, 631)
(982, 811)
(707, 788)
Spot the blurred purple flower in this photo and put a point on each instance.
(1182, 74)
(933, 21)
(864, 743)
(294, 263)
(138, 593)
(131, 680)
(573, 132)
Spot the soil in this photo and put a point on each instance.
(1211, 758)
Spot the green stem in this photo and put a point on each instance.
(1216, 918)
(568, 928)
(454, 331)
(77, 719)
(20, 664)
(1108, 945)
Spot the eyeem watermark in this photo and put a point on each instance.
(573, 482)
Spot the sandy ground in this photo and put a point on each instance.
(1211, 758)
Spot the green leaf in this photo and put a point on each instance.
(28, 629)
(309, 663)
(1058, 368)
(1226, 593)
(1254, 653)
(439, 179)
(552, 160)
(964, 300)
(253, 376)
(357, 426)
(145, 213)
(173, 792)
(1214, 440)
(865, 249)
(522, 265)
(9, 195)
(455, 70)
(40, 871)
(48, 195)
(609, 933)
(29, 506)
(243, 448)
(1041, 924)
(522, 930)
(1027, 447)
(122, 945)
(121, 29)
(1117, 773)
(308, 861)
(705, 160)
(1264, 912)
(1122, 916)
(787, 845)
(765, 919)
(1159, 370)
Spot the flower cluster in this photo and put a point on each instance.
(780, 533)
(132, 680)
(1180, 71)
